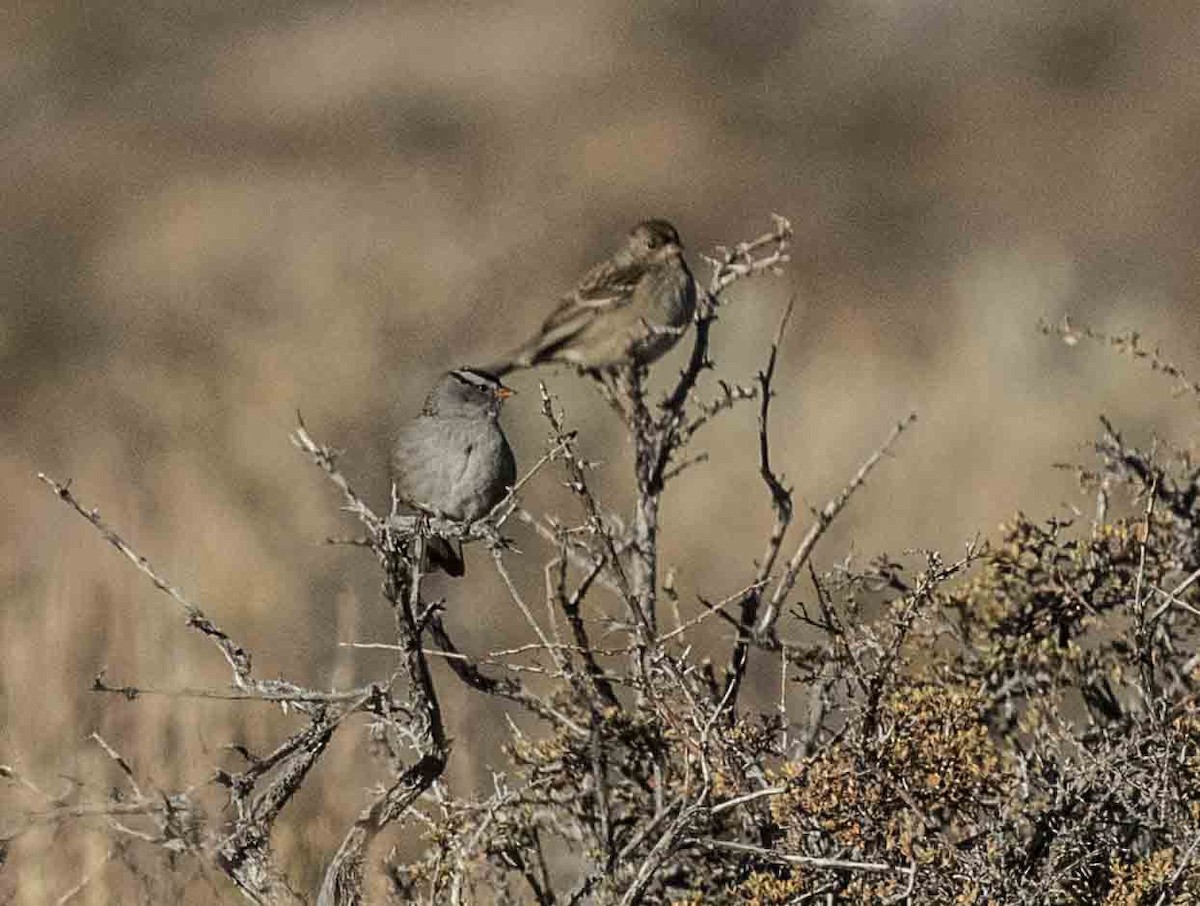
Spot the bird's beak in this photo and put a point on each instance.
(503, 393)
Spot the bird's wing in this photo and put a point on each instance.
(606, 287)
(417, 475)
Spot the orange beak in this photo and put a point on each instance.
(503, 392)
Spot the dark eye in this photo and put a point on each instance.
(654, 240)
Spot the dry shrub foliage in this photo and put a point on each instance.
(1018, 725)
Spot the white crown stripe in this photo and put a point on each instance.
(476, 378)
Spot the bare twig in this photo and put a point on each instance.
(1127, 343)
(825, 518)
(505, 687)
(238, 657)
(793, 859)
(781, 503)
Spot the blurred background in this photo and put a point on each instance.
(215, 215)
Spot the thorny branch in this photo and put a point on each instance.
(824, 519)
(237, 657)
(1126, 343)
(781, 503)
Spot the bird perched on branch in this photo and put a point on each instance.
(628, 310)
(453, 459)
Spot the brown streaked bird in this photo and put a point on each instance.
(627, 310)
(453, 459)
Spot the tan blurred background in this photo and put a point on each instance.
(216, 214)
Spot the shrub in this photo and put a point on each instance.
(1017, 725)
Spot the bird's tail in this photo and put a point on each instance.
(445, 555)
(519, 358)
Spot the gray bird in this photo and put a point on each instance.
(453, 459)
(627, 310)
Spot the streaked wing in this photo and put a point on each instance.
(604, 288)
